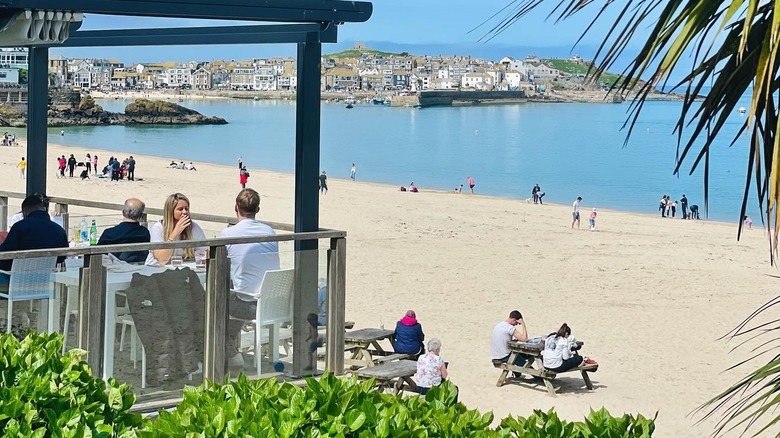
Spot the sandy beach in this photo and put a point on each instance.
(649, 296)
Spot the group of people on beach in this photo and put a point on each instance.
(181, 165)
(668, 208)
(113, 170)
(9, 139)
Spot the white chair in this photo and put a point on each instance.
(274, 309)
(31, 279)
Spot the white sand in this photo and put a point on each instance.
(649, 296)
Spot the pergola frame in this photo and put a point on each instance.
(312, 22)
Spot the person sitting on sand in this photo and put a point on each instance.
(402, 189)
(191, 166)
(413, 188)
(459, 189)
(173, 165)
(408, 337)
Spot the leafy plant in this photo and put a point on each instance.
(44, 393)
(599, 424)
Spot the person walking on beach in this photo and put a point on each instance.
(88, 163)
(684, 206)
(240, 163)
(592, 220)
(575, 212)
(95, 163)
(323, 183)
(243, 177)
(537, 194)
(673, 207)
(71, 165)
(22, 166)
(352, 172)
(662, 206)
(131, 169)
(61, 166)
(748, 222)
(470, 180)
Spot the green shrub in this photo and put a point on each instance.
(44, 393)
(599, 424)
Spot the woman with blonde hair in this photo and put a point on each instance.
(175, 225)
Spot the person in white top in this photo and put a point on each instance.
(513, 328)
(176, 225)
(575, 212)
(248, 263)
(558, 355)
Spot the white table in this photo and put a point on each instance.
(115, 281)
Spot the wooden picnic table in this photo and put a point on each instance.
(364, 345)
(534, 366)
(391, 375)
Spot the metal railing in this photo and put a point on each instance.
(92, 294)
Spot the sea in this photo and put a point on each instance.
(569, 149)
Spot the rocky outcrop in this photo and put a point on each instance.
(87, 112)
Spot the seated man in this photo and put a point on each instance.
(504, 332)
(128, 231)
(35, 231)
(248, 263)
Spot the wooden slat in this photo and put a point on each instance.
(389, 370)
(215, 333)
(3, 213)
(337, 270)
(92, 312)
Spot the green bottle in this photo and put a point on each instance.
(93, 233)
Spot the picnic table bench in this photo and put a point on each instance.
(533, 366)
(391, 375)
(364, 345)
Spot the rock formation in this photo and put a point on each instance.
(87, 112)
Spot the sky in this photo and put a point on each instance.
(415, 26)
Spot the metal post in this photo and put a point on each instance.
(4, 213)
(92, 312)
(307, 168)
(215, 332)
(337, 276)
(37, 109)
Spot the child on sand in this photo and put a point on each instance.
(748, 222)
(592, 220)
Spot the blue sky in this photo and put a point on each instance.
(415, 26)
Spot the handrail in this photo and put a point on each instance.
(148, 210)
(219, 241)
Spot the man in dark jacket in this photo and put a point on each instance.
(35, 231)
(408, 336)
(128, 231)
(71, 165)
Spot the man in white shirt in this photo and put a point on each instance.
(248, 263)
(575, 212)
(505, 331)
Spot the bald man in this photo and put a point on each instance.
(128, 231)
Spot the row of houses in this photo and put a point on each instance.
(369, 72)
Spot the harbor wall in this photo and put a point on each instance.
(454, 98)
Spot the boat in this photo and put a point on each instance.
(350, 106)
(378, 100)
(256, 98)
(741, 110)
(350, 101)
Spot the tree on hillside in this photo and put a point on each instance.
(734, 47)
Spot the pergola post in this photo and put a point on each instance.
(37, 110)
(307, 167)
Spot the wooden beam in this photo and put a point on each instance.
(215, 333)
(337, 272)
(92, 312)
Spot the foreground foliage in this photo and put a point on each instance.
(46, 394)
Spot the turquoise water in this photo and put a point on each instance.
(569, 149)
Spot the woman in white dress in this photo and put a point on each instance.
(176, 225)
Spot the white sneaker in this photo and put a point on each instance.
(236, 361)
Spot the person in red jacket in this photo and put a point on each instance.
(243, 176)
